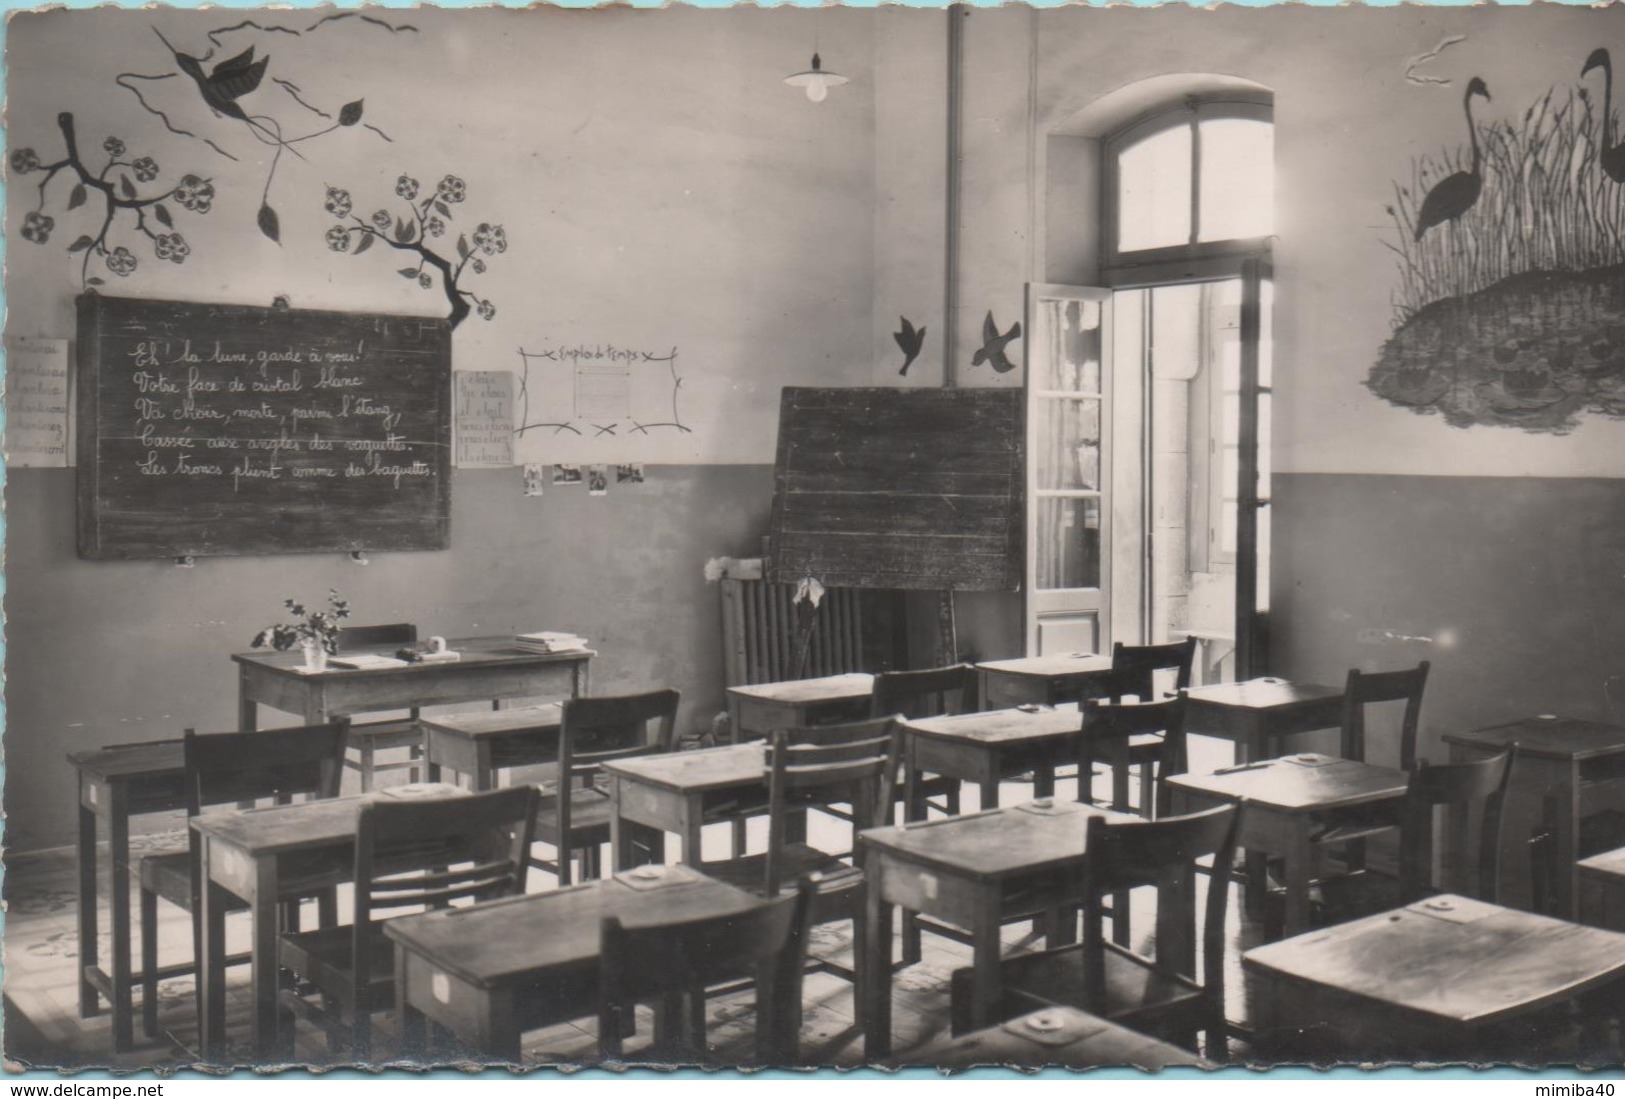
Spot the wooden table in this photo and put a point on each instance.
(1044, 680)
(490, 972)
(974, 871)
(482, 743)
(679, 792)
(491, 668)
(1602, 890)
(759, 710)
(1059, 1036)
(1287, 802)
(1430, 981)
(1558, 778)
(264, 856)
(115, 784)
(989, 746)
(1259, 713)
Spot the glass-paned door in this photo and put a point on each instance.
(1069, 433)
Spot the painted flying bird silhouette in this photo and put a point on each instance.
(993, 345)
(227, 82)
(1611, 157)
(910, 339)
(1455, 194)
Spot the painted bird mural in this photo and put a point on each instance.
(1455, 194)
(910, 339)
(1611, 157)
(993, 345)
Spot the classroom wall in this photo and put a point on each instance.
(1499, 544)
(659, 187)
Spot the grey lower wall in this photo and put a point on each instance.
(1519, 582)
(110, 652)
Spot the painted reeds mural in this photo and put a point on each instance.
(1510, 308)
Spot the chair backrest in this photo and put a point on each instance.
(429, 852)
(1135, 666)
(1125, 854)
(650, 959)
(594, 731)
(280, 764)
(1478, 781)
(929, 692)
(854, 764)
(392, 633)
(1365, 688)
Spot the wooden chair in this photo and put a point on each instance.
(367, 739)
(1366, 688)
(225, 769)
(410, 854)
(671, 962)
(854, 764)
(575, 815)
(1135, 666)
(1159, 996)
(1458, 786)
(929, 692)
(1145, 734)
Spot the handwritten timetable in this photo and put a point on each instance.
(36, 403)
(217, 429)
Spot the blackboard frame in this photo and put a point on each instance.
(900, 488)
(197, 520)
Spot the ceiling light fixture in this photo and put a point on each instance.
(816, 80)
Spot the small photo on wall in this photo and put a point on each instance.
(597, 480)
(631, 474)
(535, 478)
(566, 475)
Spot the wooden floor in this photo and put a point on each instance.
(42, 1026)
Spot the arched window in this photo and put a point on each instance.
(1191, 182)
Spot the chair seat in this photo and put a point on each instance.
(323, 957)
(386, 734)
(835, 898)
(590, 813)
(1145, 747)
(1031, 982)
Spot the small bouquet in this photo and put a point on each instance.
(313, 628)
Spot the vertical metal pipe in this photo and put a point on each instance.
(957, 14)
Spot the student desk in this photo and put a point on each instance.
(264, 856)
(1430, 980)
(1045, 680)
(1061, 1036)
(482, 743)
(115, 784)
(759, 710)
(974, 871)
(680, 792)
(490, 668)
(986, 747)
(1602, 890)
(1286, 802)
(1258, 714)
(1562, 765)
(492, 971)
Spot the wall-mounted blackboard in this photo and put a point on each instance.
(229, 429)
(915, 489)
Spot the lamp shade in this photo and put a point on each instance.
(816, 80)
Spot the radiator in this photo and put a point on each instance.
(759, 628)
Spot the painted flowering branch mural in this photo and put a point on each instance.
(426, 218)
(115, 188)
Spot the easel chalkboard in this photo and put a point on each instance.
(911, 489)
(231, 429)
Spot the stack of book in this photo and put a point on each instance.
(550, 641)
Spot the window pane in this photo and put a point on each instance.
(1230, 419)
(1154, 191)
(1068, 443)
(1069, 542)
(1265, 441)
(1238, 187)
(1227, 527)
(1266, 345)
(1069, 346)
(1230, 471)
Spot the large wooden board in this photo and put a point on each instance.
(916, 489)
(230, 429)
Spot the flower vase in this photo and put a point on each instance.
(315, 656)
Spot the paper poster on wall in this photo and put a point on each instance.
(582, 390)
(484, 418)
(37, 419)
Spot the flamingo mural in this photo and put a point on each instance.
(1510, 308)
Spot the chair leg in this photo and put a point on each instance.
(416, 754)
(327, 908)
(361, 1031)
(860, 963)
(149, 963)
(1147, 809)
(739, 838)
(368, 768)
